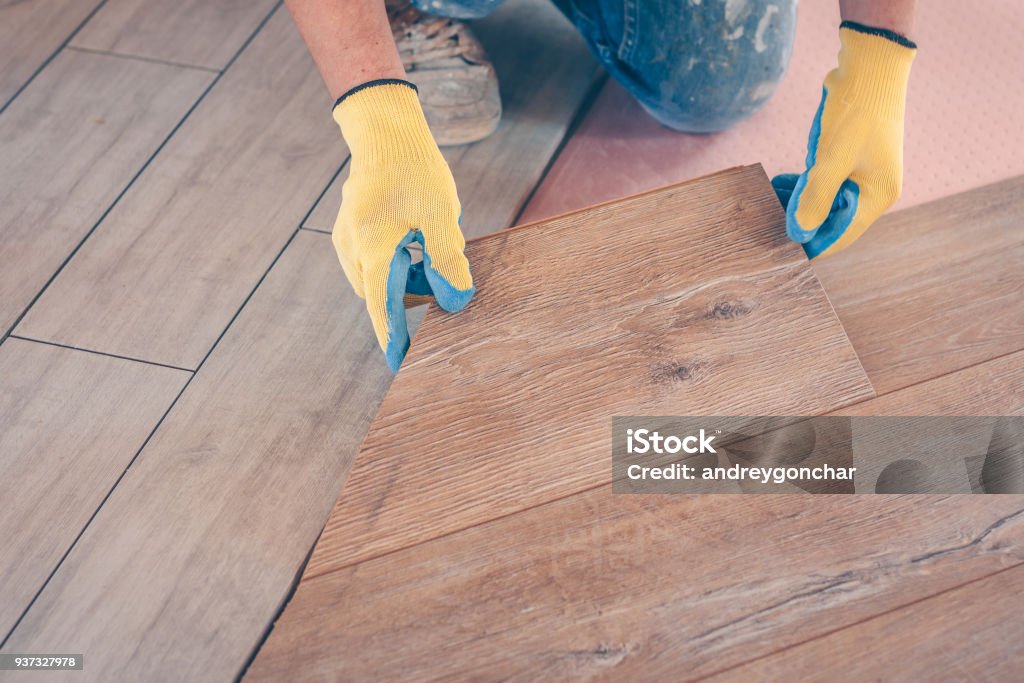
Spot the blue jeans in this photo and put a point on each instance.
(695, 65)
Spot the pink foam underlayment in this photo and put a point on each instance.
(964, 125)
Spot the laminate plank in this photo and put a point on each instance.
(690, 301)
(545, 72)
(972, 633)
(176, 258)
(70, 423)
(71, 143)
(635, 587)
(934, 288)
(952, 453)
(202, 33)
(186, 564)
(30, 32)
(995, 387)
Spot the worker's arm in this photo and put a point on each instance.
(399, 189)
(854, 166)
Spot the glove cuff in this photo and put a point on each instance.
(383, 121)
(874, 69)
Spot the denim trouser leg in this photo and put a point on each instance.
(457, 9)
(695, 65)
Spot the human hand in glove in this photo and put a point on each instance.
(855, 151)
(399, 191)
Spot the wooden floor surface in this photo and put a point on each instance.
(72, 424)
(184, 248)
(186, 379)
(200, 33)
(72, 141)
(31, 33)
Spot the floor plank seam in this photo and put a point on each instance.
(280, 610)
(835, 314)
(193, 375)
(319, 230)
(140, 58)
(930, 379)
(574, 124)
(100, 353)
(856, 623)
(138, 174)
(46, 62)
(321, 196)
(371, 558)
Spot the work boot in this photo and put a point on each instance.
(456, 81)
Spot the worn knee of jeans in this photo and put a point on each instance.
(457, 9)
(697, 67)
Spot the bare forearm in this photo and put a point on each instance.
(350, 41)
(895, 15)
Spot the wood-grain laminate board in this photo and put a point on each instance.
(176, 258)
(685, 301)
(934, 288)
(995, 387)
(186, 564)
(545, 72)
(972, 633)
(70, 422)
(950, 456)
(71, 143)
(202, 33)
(30, 32)
(634, 587)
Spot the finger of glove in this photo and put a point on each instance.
(813, 198)
(867, 207)
(783, 185)
(838, 222)
(447, 269)
(384, 282)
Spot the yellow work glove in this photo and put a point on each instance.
(855, 151)
(399, 190)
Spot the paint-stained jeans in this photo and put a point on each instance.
(695, 65)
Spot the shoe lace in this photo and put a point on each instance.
(422, 38)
